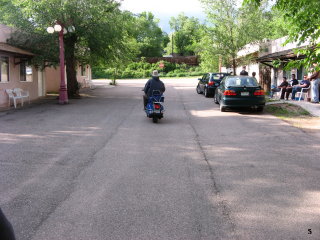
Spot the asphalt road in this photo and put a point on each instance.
(98, 169)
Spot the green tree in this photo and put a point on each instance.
(100, 34)
(150, 37)
(185, 35)
(231, 27)
(206, 49)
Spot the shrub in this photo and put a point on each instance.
(143, 69)
(182, 74)
(170, 74)
(196, 74)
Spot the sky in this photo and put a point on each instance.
(164, 9)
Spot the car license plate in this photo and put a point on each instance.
(244, 93)
(156, 111)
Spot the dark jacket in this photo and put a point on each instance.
(305, 82)
(244, 73)
(283, 84)
(154, 84)
(294, 82)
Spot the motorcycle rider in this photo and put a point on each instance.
(153, 84)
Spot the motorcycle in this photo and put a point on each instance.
(154, 108)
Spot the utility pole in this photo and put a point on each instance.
(172, 44)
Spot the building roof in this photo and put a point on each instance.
(285, 55)
(17, 52)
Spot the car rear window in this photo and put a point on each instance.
(241, 82)
(218, 76)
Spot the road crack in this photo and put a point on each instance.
(222, 203)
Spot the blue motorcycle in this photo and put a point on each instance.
(154, 108)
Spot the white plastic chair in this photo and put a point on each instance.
(303, 92)
(89, 83)
(13, 97)
(21, 93)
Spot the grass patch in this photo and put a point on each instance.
(52, 93)
(271, 100)
(286, 110)
(295, 116)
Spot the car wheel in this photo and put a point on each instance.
(216, 99)
(198, 89)
(206, 93)
(260, 109)
(222, 108)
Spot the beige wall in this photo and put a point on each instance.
(277, 45)
(52, 76)
(14, 82)
(86, 75)
(250, 68)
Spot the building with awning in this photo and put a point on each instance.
(280, 51)
(15, 71)
(261, 58)
(283, 56)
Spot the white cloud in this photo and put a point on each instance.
(165, 7)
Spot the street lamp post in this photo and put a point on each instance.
(63, 94)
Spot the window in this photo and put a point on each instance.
(25, 72)
(218, 76)
(243, 81)
(4, 69)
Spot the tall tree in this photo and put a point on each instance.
(185, 35)
(149, 35)
(99, 33)
(232, 27)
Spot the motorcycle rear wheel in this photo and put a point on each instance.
(155, 119)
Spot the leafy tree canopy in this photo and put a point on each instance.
(232, 27)
(186, 34)
(302, 19)
(149, 35)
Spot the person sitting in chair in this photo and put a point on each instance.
(282, 87)
(305, 83)
(293, 82)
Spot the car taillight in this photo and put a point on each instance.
(229, 93)
(157, 106)
(259, 93)
(211, 83)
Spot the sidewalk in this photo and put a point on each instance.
(312, 108)
(42, 100)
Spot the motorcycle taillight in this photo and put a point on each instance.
(157, 106)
